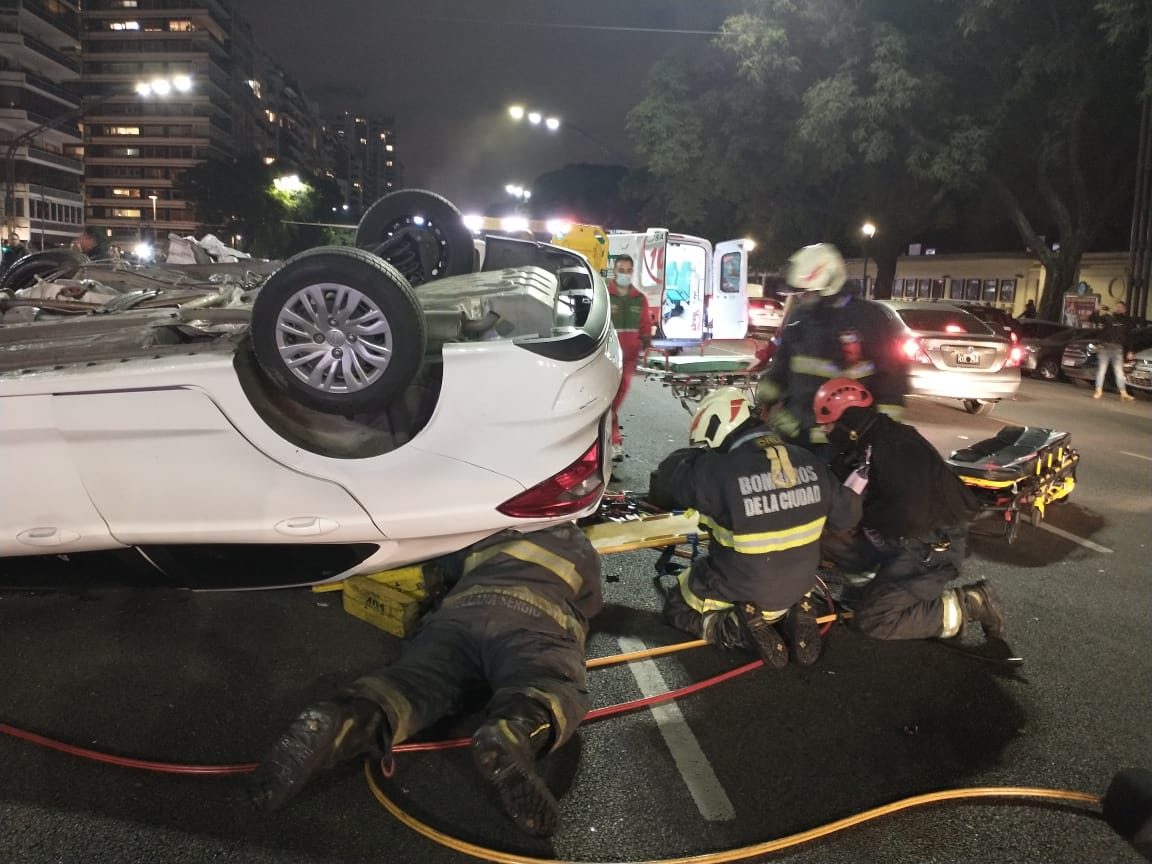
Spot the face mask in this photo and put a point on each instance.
(623, 280)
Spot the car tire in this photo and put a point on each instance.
(55, 263)
(420, 233)
(1048, 370)
(979, 406)
(308, 313)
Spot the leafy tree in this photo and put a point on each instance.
(809, 117)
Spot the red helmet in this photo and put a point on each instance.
(836, 395)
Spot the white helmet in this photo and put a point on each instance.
(721, 411)
(818, 268)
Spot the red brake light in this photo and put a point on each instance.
(564, 493)
(1015, 356)
(914, 351)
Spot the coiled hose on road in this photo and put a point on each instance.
(1091, 804)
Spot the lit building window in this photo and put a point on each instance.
(388, 164)
(126, 193)
(123, 130)
(126, 214)
(389, 147)
(255, 87)
(124, 25)
(181, 26)
(268, 160)
(126, 4)
(271, 115)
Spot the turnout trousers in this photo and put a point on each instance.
(515, 653)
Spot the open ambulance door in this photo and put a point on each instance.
(728, 293)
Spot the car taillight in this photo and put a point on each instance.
(564, 493)
(915, 352)
(1015, 356)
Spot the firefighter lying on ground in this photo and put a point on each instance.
(765, 504)
(833, 333)
(914, 528)
(516, 621)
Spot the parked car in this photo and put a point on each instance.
(1042, 353)
(1078, 362)
(355, 410)
(765, 316)
(999, 320)
(1140, 375)
(953, 354)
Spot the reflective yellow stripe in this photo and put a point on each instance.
(805, 365)
(700, 604)
(531, 553)
(766, 541)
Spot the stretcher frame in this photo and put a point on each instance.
(1015, 495)
(719, 363)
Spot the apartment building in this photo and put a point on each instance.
(42, 173)
(370, 165)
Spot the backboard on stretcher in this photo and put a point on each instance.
(654, 531)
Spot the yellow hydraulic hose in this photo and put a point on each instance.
(770, 846)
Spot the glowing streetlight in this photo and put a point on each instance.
(516, 112)
(869, 231)
(156, 87)
(517, 191)
(153, 197)
(289, 184)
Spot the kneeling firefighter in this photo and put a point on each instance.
(914, 529)
(516, 622)
(765, 504)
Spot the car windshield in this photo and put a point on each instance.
(944, 321)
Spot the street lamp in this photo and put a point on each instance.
(553, 123)
(153, 198)
(520, 193)
(155, 87)
(869, 231)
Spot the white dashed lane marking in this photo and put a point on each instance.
(702, 782)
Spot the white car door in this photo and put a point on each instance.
(728, 304)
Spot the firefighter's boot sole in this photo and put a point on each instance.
(509, 766)
(320, 737)
(802, 633)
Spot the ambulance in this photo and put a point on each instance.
(699, 290)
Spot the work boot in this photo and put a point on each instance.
(1127, 397)
(322, 736)
(802, 632)
(764, 637)
(504, 751)
(982, 604)
(1099, 394)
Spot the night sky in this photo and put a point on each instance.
(447, 69)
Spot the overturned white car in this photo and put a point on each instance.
(356, 409)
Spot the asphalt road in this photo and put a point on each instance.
(211, 678)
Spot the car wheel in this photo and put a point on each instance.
(979, 406)
(420, 233)
(339, 330)
(1048, 370)
(55, 263)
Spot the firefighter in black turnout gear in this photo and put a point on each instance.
(833, 333)
(914, 529)
(516, 622)
(765, 504)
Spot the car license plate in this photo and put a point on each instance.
(968, 359)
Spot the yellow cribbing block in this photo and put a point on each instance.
(648, 532)
(419, 580)
(383, 606)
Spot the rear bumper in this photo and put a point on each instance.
(965, 385)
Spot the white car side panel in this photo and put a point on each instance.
(165, 466)
(51, 512)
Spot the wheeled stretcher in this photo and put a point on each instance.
(720, 362)
(1018, 472)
